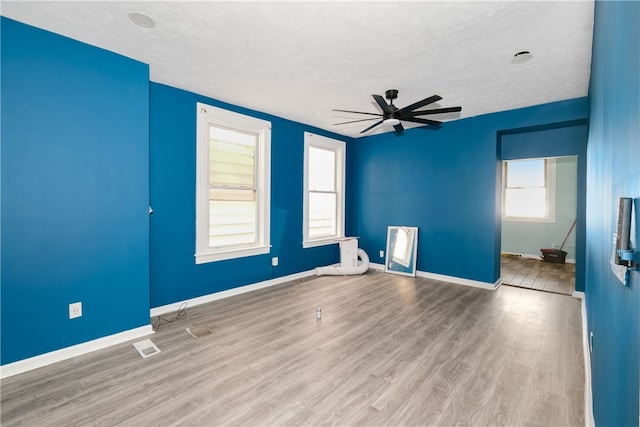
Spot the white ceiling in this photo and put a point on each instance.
(300, 60)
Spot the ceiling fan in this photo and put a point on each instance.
(392, 115)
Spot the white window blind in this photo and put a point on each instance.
(233, 210)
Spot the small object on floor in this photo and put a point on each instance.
(318, 313)
(146, 348)
(199, 331)
(553, 255)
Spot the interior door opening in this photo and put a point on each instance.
(539, 208)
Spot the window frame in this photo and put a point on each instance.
(550, 191)
(339, 149)
(207, 116)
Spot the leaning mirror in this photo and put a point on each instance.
(402, 246)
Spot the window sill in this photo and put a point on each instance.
(523, 219)
(321, 242)
(240, 253)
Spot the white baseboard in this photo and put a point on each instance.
(45, 359)
(567, 260)
(589, 421)
(461, 281)
(578, 294)
(449, 279)
(170, 308)
(376, 266)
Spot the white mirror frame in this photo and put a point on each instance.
(402, 249)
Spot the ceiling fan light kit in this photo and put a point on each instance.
(393, 116)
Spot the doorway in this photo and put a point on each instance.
(539, 208)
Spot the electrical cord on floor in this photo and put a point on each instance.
(182, 312)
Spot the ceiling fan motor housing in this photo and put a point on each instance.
(391, 94)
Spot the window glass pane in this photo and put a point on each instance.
(231, 158)
(525, 202)
(322, 214)
(321, 169)
(525, 173)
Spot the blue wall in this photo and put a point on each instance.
(613, 311)
(174, 274)
(446, 182)
(75, 178)
(558, 139)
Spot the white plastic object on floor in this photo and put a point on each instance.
(339, 270)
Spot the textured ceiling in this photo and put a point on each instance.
(300, 60)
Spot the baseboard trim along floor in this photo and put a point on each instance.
(170, 308)
(589, 421)
(45, 359)
(449, 279)
(530, 256)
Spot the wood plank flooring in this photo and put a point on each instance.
(389, 350)
(537, 274)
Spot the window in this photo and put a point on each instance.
(529, 190)
(324, 166)
(232, 185)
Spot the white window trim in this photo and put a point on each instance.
(339, 147)
(208, 115)
(550, 184)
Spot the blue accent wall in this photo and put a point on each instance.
(613, 153)
(75, 183)
(446, 182)
(174, 274)
(555, 140)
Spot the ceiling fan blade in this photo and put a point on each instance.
(434, 111)
(423, 121)
(355, 121)
(383, 104)
(416, 105)
(358, 112)
(372, 126)
(399, 128)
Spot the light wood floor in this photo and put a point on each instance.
(537, 274)
(389, 350)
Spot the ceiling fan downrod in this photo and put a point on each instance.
(391, 94)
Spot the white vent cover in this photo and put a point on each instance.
(146, 348)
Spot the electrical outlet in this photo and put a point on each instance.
(274, 261)
(75, 310)
(381, 254)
